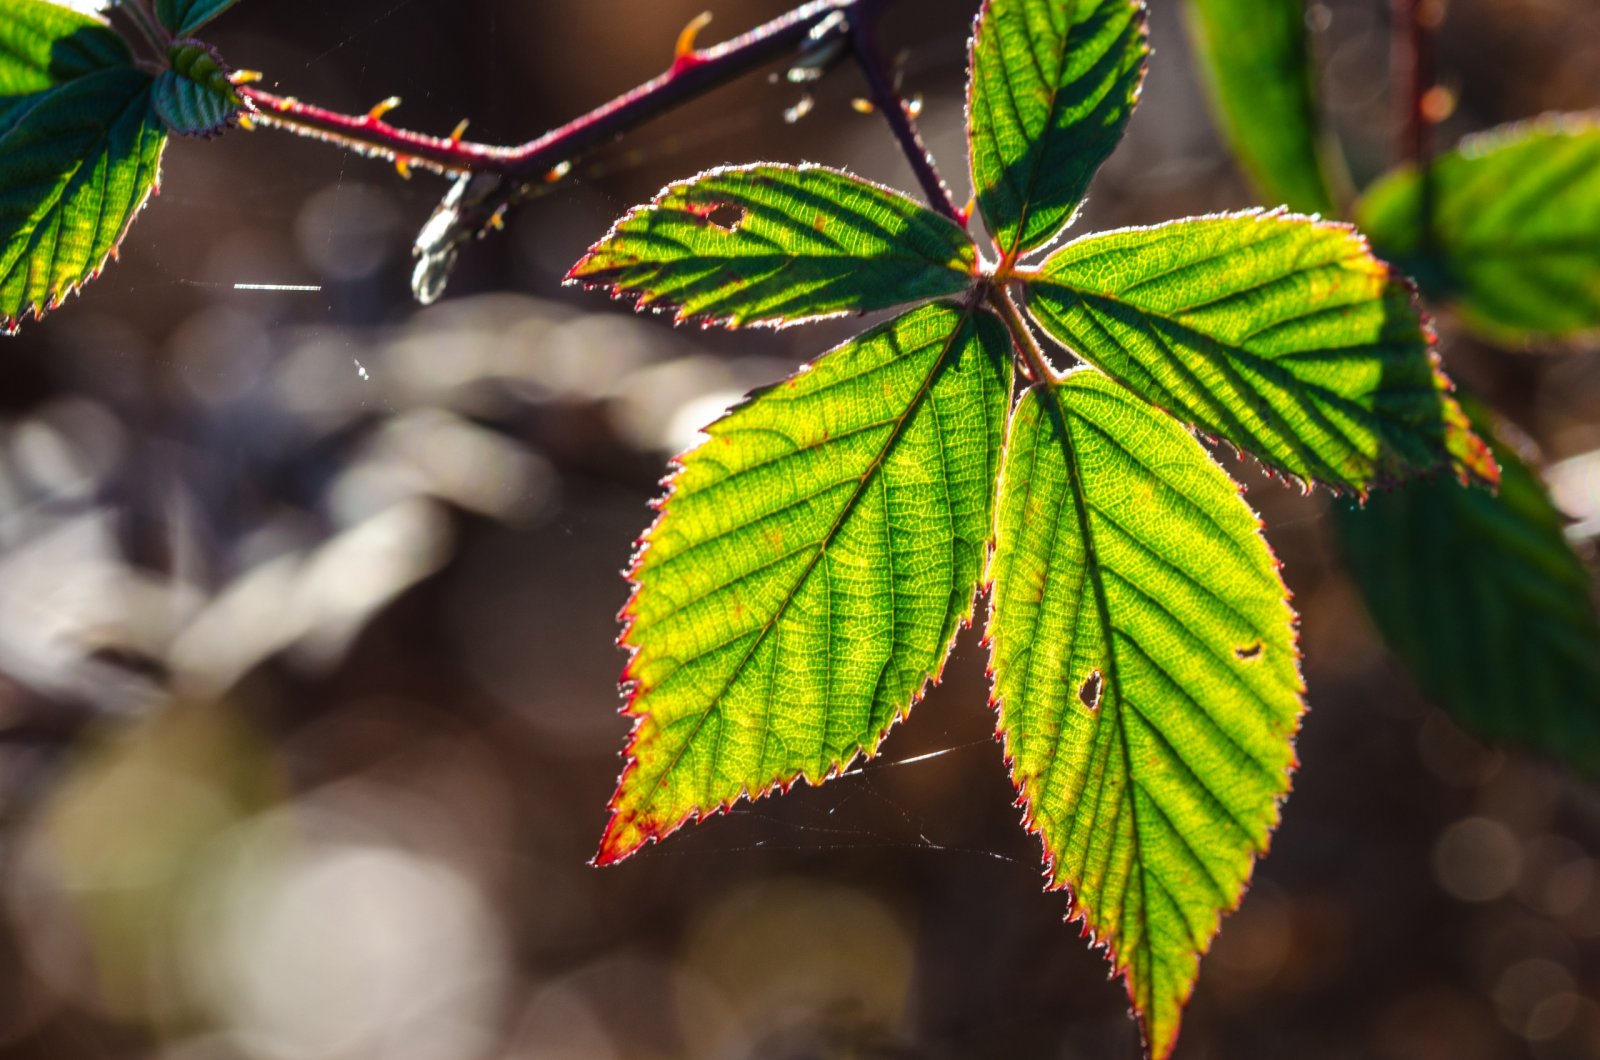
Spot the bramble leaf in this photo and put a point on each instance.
(44, 45)
(78, 156)
(1147, 675)
(811, 566)
(194, 96)
(1255, 59)
(1483, 598)
(1516, 233)
(779, 244)
(183, 17)
(1283, 335)
(1052, 86)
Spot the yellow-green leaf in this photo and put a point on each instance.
(1053, 85)
(811, 566)
(1281, 334)
(779, 244)
(1147, 676)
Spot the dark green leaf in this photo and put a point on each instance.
(1255, 57)
(194, 97)
(811, 566)
(183, 17)
(1281, 334)
(1516, 235)
(1053, 85)
(1484, 600)
(78, 158)
(1147, 675)
(779, 244)
(43, 45)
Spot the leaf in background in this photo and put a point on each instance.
(1516, 242)
(779, 244)
(1052, 87)
(1255, 58)
(1485, 601)
(1283, 335)
(1147, 676)
(183, 17)
(810, 568)
(78, 158)
(194, 97)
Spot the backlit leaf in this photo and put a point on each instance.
(1283, 335)
(1053, 85)
(183, 17)
(1147, 676)
(1255, 57)
(1515, 242)
(77, 161)
(1483, 598)
(779, 244)
(811, 565)
(43, 45)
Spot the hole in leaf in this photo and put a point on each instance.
(1089, 693)
(723, 215)
(1249, 652)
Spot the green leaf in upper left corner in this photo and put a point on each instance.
(1052, 87)
(779, 244)
(183, 17)
(79, 152)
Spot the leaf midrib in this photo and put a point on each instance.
(967, 312)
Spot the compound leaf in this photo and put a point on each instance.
(779, 244)
(1515, 238)
(1147, 675)
(1053, 85)
(78, 158)
(1281, 334)
(812, 564)
(1483, 598)
(183, 17)
(1255, 58)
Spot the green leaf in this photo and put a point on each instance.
(183, 17)
(77, 161)
(1255, 59)
(813, 562)
(779, 244)
(1484, 600)
(1516, 233)
(1281, 334)
(1053, 85)
(43, 45)
(194, 97)
(1147, 677)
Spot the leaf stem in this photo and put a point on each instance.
(1033, 358)
(149, 28)
(887, 98)
(1414, 28)
(692, 73)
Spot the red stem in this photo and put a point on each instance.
(1413, 64)
(691, 75)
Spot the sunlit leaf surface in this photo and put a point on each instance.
(779, 244)
(811, 565)
(1280, 334)
(1515, 241)
(1053, 85)
(1256, 61)
(1483, 598)
(78, 152)
(1147, 676)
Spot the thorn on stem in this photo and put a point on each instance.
(460, 130)
(383, 107)
(683, 51)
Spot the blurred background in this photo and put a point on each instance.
(308, 713)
